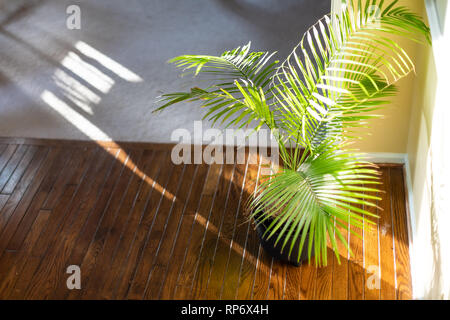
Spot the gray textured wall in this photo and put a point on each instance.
(141, 35)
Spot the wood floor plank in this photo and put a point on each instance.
(30, 264)
(141, 227)
(211, 236)
(60, 175)
(308, 280)
(81, 173)
(402, 264)
(12, 164)
(15, 208)
(371, 255)
(3, 200)
(324, 284)
(150, 284)
(386, 239)
(141, 255)
(6, 155)
(14, 272)
(9, 186)
(340, 267)
(263, 271)
(292, 285)
(218, 261)
(87, 232)
(356, 271)
(64, 205)
(42, 193)
(277, 281)
(8, 261)
(198, 230)
(91, 258)
(262, 277)
(153, 232)
(148, 195)
(52, 269)
(169, 284)
(232, 254)
(252, 243)
(240, 272)
(113, 235)
(227, 228)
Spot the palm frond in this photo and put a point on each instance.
(345, 65)
(325, 193)
(233, 73)
(344, 68)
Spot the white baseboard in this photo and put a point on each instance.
(402, 158)
(411, 224)
(382, 157)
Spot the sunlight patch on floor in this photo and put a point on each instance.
(76, 119)
(107, 62)
(87, 72)
(76, 92)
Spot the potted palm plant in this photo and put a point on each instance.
(345, 67)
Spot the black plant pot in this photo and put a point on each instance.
(275, 251)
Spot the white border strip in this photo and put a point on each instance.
(383, 157)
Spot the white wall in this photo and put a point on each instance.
(428, 153)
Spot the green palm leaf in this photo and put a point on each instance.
(344, 68)
(325, 192)
(345, 65)
(233, 73)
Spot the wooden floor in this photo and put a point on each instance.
(140, 227)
